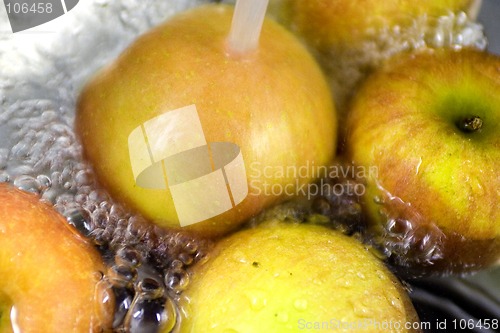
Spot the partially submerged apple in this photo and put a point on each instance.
(327, 24)
(289, 277)
(49, 273)
(354, 38)
(273, 103)
(430, 124)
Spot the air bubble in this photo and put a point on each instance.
(151, 288)
(104, 301)
(170, 312)
(44, 182)
(145, 316)
(80, 219)
(4, 156)
(191, 247)
(28, 184)
(4, 177)
(123, 301)
(201, 258)
(187, 259)
(122, 276)
(347, 67)
(177, 280)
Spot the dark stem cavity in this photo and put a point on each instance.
(470, 124)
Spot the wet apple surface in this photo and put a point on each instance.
(432, 131)
(39, 153)
(51, 275)
(262, 102)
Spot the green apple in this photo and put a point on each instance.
(289, 277)
(49, 272)
(430, 124)
(273, 103)
(344, 23)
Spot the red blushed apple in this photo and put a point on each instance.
(430, 124)
(273, 103)
(49, 273)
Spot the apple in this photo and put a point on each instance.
(290, 277)
(50, 274)
(272, 103)
(429, 124)
(343, 23)
(351, 39)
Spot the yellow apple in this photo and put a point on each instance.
(430, 125)
(353, 38)
(273, 103)
(344, 23)
(49, 272)
(288, 277)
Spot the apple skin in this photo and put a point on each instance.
(433, 202)
(278, 277)
(343, 23)
(49, 272)
(274, 104)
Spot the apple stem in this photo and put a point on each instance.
(246, 26)
(472, 124)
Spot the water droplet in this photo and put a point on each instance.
(300, 304)
(344, 282)
(396, 303)
(257, 299)
(240, 257)
(361, 310)
(282, 316)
